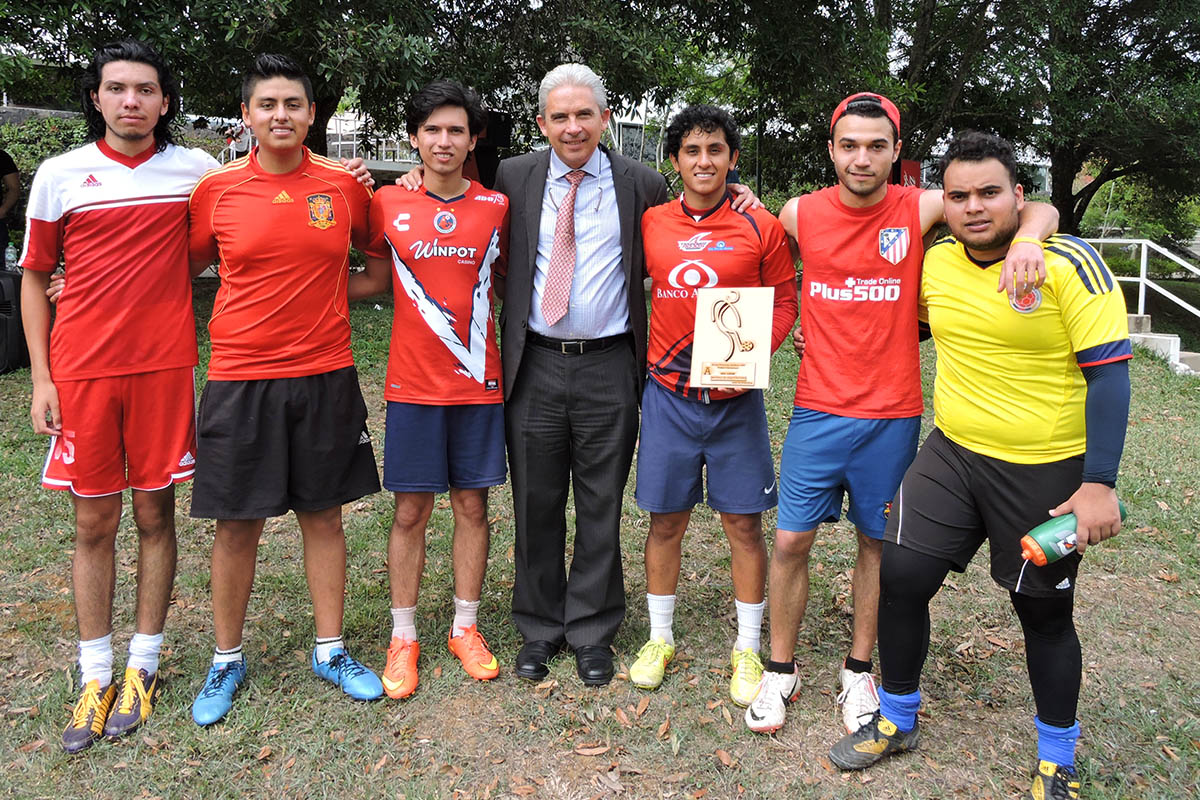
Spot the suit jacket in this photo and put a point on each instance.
(523, 180)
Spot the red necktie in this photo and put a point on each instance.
(556, 295)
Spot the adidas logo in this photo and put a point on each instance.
(363, 438)
(283, 197)
(187, 460)
(89, 182)
(1065, 583)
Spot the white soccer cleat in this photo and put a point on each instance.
(858, 699)
(776, 689)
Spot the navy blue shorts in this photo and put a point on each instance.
(432, 448)
(682, 439)
(826, 456)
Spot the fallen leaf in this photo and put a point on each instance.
(724, 757)
(676, 777)
(264, 753)
(592, 750)
(291, 762)
(1170, 751)
(31, 746)
(379, 764)
(666, 726)
(437, 671)
(699, 793)
(643, 704)
(826, 764)
(1167, 577)
(1162, 506)
(524, 790)
(728, 717)
(622, 717)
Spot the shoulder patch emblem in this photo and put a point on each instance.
(320, 211)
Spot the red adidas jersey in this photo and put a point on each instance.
(284, 246)
(119, 226)
(861, 272)
(686, 250)
(443, 254)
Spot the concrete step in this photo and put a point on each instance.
(1191, 361)
(1139, 323)
(1165, 344)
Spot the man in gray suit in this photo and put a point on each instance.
(573, 348)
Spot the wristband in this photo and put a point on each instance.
(1029, 239)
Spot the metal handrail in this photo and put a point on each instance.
(1145, 246)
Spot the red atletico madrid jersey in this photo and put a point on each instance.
(284, 243)
(687, 250)
(443, 254)
(861, 272)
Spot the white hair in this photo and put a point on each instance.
(571, 75)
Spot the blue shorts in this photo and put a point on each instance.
(826, 456)
(432, 448)
(680, 438)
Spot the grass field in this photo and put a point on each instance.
(290, 735)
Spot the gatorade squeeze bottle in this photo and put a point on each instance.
(1053, 539)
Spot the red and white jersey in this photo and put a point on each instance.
(119, 225)
(443, 254)
(858, 304)
(284, 243)
(686, 250)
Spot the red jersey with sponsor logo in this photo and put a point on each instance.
(443, 253)
(119, 225)
(284, 246)
(858, 304)
(686, 250)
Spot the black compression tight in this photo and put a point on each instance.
(909, 580)
(1052, 654)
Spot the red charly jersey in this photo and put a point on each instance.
(858, 304)
(443, 253)
(119, 225)
(686, 250)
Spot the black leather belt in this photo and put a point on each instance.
(575, 347)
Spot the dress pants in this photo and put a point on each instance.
(571, 421)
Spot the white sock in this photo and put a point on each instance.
(404, 623)
(143, 652)
(749, 617)
(466, 614)
(326, 646)
(662, 616)
(96, 660)
(227, 656)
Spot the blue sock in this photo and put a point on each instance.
(900, 709)
(1055, 744)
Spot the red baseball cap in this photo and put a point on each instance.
(867, 98)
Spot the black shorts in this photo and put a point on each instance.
(952, 499)
(266, 446)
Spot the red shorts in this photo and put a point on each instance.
(130, 431)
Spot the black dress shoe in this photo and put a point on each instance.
(594, 663)
(532, 660)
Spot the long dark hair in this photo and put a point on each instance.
(129, 50)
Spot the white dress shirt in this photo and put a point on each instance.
(599, 306)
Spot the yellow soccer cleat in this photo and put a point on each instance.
(651, 664)
(400, 673)
(747, 673)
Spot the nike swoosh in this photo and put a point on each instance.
(769, 488)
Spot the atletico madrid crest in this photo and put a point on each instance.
(320, 211)
(893, 244)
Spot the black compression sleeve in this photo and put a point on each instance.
(1107, 413)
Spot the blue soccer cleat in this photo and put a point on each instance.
(348, 675)
(216, 696)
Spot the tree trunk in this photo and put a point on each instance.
(1063, 168)
(316, 140)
